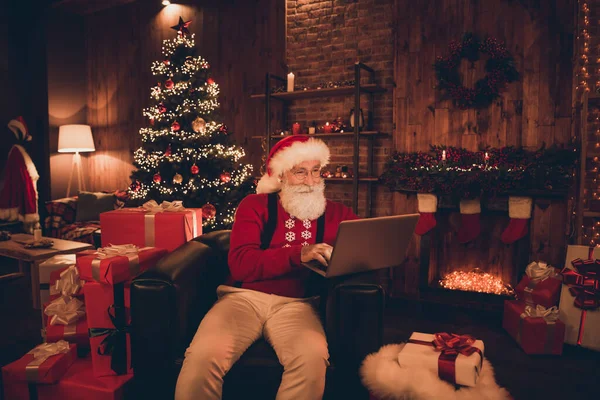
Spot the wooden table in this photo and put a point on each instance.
(33, 257)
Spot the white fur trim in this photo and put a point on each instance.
(18, 129)
(470, 206)
(383, 376)
(9, 214)
(268, 184)
(519, 207)
(427, 202)
(285, 159)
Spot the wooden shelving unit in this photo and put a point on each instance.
(369, 89)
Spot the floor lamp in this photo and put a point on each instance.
(75, 139)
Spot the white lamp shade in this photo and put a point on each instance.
(75, 138)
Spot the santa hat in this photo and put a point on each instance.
(19, 128)
(287, 153)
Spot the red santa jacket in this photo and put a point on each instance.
(276, 270)
(18, 195)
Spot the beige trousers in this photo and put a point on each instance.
(240, 317)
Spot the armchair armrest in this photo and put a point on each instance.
(354, 317)
(169, 301)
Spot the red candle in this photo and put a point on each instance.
(326, 128)
(296, 129)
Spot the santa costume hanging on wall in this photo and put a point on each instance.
(18, 194)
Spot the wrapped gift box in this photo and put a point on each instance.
(101, 267)
(580, 297)
(69, 323)
(45, 364)
(425, 350)
(537, 329)
(58, 262)
(148, 228)
(540, 285)
(79, 383)
(107, 309)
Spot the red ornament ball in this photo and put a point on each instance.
(162, 109)
(135, 186)
(166, 62)
(208, 211)
(169, 84)
(210, 81)
(175, 126)
(157, 178)
(223, 129)
(194, 170)
(225, 177)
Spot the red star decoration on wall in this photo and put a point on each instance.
(182, 27)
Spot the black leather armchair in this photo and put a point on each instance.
(169, 301)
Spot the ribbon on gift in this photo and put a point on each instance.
(537, 272)
(40, 354)
(450, 345)
(68, 283)
(549, 315)
(125, 250)
(65, 311)
(115, 342)
(152, 208)
(584, 286)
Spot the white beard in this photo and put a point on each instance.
(303, 201)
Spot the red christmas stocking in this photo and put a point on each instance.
(519, 211)
(427, 209)
(470, 227)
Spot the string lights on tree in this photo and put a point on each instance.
(185, 153)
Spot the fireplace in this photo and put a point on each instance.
(479, 274)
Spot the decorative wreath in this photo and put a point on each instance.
(500, 70)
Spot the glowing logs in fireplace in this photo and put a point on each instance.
(476, 281)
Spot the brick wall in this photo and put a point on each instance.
(324, 40)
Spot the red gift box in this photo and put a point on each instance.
(79, 383)
(167, 230)
(20, 378)
(76, 332)
(107, 309)
(539, 285)
(536, 334)
(120, 268)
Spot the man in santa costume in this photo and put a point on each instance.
(18, 192)
(286, 223)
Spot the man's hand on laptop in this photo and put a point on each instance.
(320, 252)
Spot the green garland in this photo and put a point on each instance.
(500, 70)
(467, 174)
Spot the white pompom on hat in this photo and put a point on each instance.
(19, 128)
(287, 153)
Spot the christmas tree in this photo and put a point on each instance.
(185, 153)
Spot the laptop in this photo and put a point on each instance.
(368, 244)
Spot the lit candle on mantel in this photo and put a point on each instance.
(290, 82)
(443, 155)
(486, 158)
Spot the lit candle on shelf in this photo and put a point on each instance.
(290, 82)
(296, 129)
(311, 130)
(327, 128)
(443, 155)
(37, 235)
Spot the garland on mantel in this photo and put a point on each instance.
(462, 174)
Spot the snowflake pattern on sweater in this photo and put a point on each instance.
(290, 236)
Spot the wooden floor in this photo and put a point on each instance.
(525, 377)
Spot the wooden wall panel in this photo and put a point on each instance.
(532, 111)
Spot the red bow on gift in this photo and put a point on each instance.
(584, 282)
(584, 285)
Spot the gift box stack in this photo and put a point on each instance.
(456, 359)
(533, 319)
(580, 297)
(96, 318)
(167, 225)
